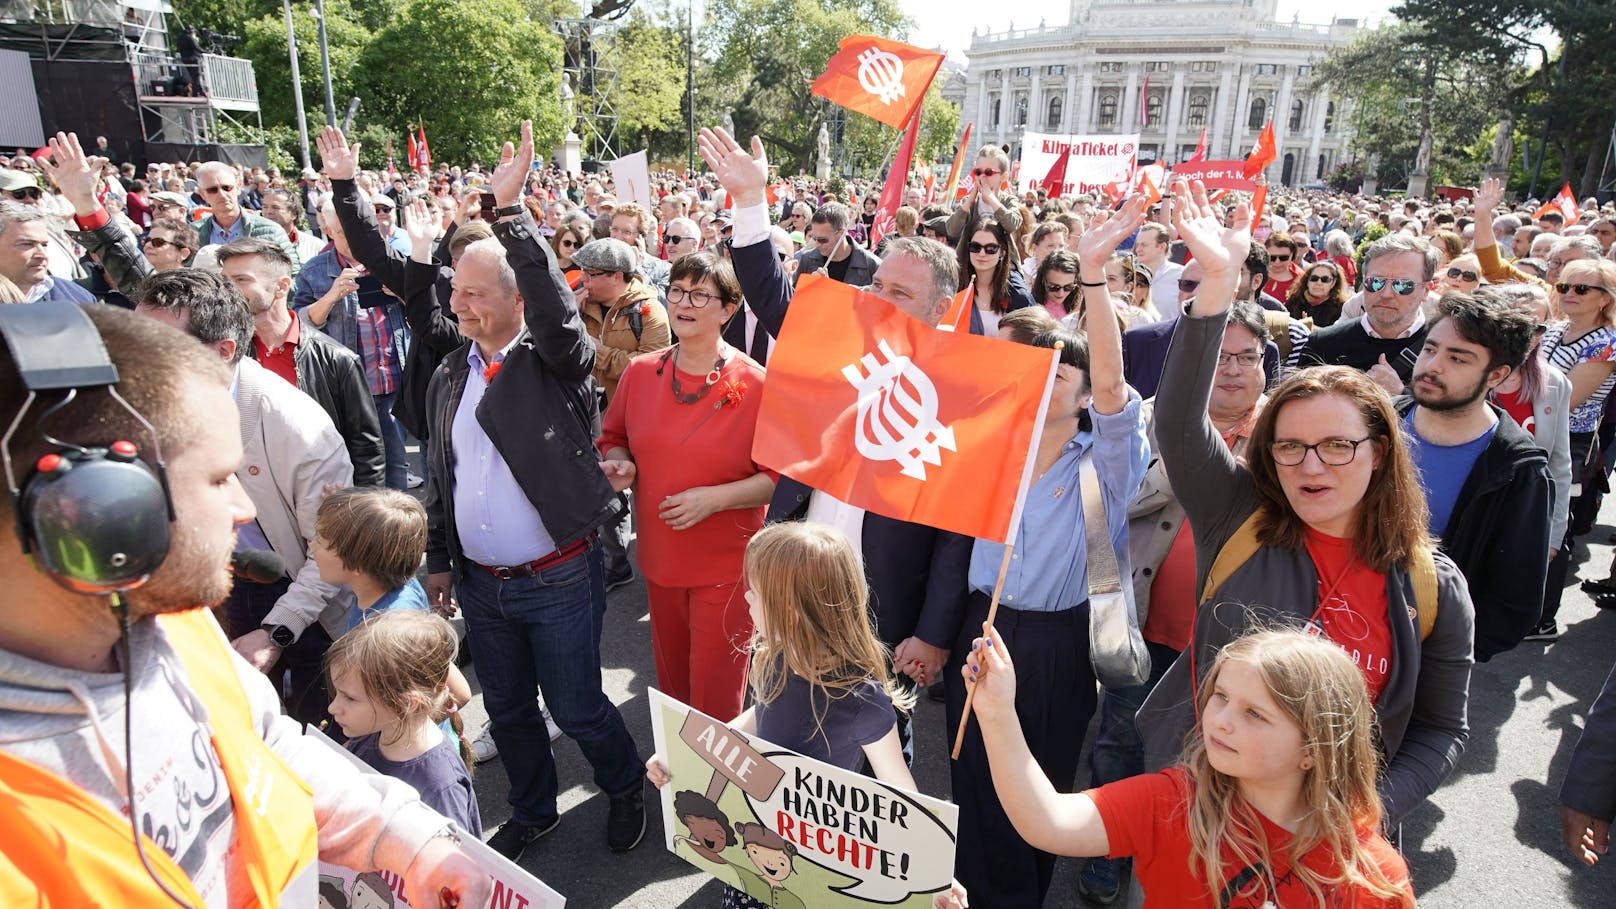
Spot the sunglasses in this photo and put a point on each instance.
(672, 240)
(821, 241)
(1580, 290)
(1403, 286)
(1187, 286)
(1330, 279)
(31, 192)
(983, 249)
(985, 172)
(1284, 258)
(160, 243)
(1059, 288)
(1468, 276)
(221, 188)
(569, 244)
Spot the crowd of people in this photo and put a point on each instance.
(1343, 446)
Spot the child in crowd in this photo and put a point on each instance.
(820, 678)
(371, 541)
(389, 681)
(1273, 805)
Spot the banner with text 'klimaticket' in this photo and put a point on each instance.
(512, 888)
(791, 831)
(1072, 165)
(884, 412)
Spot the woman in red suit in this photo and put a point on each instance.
(679, 429)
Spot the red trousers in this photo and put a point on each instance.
(701, 637)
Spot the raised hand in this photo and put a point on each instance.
(1221, 249)
(340, 160)
(743, 175)
(421, 223)
(510, 174)
(1103, 237)
(76, 174)
(1488, 195)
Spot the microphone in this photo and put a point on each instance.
(261, 566)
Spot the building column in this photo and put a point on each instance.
(1242, 109)
(1035, 102)
(1175, 113)
(1007, 104)
(1321, 103)
(1128, 120)
(1282, 122)
(1220, 116)
(1071, 108)
(981, 103)
(1085, 104)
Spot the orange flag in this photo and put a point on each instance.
(879, 78)
(888, 414)
(897, 181)
(1263, 153)
(1565, 203)
(954, 169)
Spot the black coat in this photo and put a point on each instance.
(333, 375)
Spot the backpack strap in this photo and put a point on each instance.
(634, 322)
(1236, 550)
(1423, 570)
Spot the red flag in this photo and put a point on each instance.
(1259, 201)
(952, 183)
(1149, 179)
(956, 317)
(967, 185)
(413, 152)
(931, 186)
(1144, 102)
(1263, 153)
(879, 78)
(1200, 149)
(426, 150)
(897, 181)
(1056, 178)
(1565, 203)
(888, 414)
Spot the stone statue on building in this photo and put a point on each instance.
(822, 148)
(729, 123)
(1503, 144)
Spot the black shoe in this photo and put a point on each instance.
(625, 821)
(512, 838)
(1601, 587)
(1545, 631)
(1100, 881)
(617, 579)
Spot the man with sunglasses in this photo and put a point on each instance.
(1385, 341)
(220, 188)
(680, 237)
(832, 252)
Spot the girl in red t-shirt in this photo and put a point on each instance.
(1274, 803)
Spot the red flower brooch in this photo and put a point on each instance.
(733, 393)
(645, 310)
(492, 370)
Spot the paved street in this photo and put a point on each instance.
(1490, 836)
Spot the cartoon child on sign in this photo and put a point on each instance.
(709, 836)
(772, 856)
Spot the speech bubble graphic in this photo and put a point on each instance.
(890, 843)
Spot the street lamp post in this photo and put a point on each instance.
(325, 65)
(297, 87)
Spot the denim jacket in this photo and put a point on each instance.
(342, 324)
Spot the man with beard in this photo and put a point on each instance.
(214, 734)
(1485, 479)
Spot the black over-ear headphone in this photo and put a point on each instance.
(96, 519)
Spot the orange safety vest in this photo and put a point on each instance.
(63, 847)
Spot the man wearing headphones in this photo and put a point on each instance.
(221, 800)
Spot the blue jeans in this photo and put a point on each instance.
(398, 464)
(1118, 752)
(543, 634)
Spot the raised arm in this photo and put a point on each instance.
(354, 211)
(1105, 336)
(421, 281)
(1485, 245)
(76, 175)
(764, 283)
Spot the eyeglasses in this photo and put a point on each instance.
(1331, 452)
(1187, 285)
(1467, 276)
(1579, 289)
(1330, 279)
(672, 240)
(821, 241)
(1059, 288)
(1557, 263)
(594, 273)
(1403, 286)
(983, 249)
(1247, 359)
(30, 192)
(160, 243)
(699, 299)
(985, 172)
(220, 188)
(1279, 258)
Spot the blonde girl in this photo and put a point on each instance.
(1273, 804)
(389, 681)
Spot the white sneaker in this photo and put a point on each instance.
(555, 731)
(483, 748)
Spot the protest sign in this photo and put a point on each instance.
(513, 888)
(631, 174)
(1070, 165)
(791, 830)
(1217, 174)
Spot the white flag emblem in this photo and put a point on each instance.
(897, 413)
(881, 74)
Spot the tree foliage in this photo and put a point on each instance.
(265, 46)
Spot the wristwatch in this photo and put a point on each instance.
(510, 211)
(280, 634)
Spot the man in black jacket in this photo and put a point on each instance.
(320, 367)
(515, 496)
(831, 249)
(1486, 480)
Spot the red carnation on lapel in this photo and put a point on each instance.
(492, 370)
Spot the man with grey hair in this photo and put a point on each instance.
(1570, 249)
(680, 236)
(1541, 244)
(25, 243)
(1384, 343)
(220, 187)
(1604, 230)
(1504, 228)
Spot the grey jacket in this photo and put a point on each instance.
(1421, 711)
(1551, 429)
(1590, 782)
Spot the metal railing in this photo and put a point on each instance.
(226, 82)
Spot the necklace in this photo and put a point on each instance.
(679, 393)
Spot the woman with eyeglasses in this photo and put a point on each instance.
(1584, 348)
(985, 266)
(1329, 499)
(1319, 294)
(679, 430)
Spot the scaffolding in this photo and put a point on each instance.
(589, 65)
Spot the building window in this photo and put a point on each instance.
(1259, 113)
(1296, 115)
(1055, 111)
(1304, 70)
(994, 119)
(1153, 108)
(1108, 109)
(1021, 110)
(1197, 112)
(1023, 71)
(1329, 117)
(1267, 69)
(1156, 66)
(1204, 66)
(1110, 67)
(1058, 69)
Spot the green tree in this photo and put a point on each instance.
(651, 80)
(1397, 77)
(265, 46)
(471, 69)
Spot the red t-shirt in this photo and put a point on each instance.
(282, 360)
(1147, 817)
(680, 446)
(1518, 408)
(1352, 608)
(1279, 290)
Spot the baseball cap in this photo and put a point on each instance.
(171, 198)
(382, 200)
(13, 180)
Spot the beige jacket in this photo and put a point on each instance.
(613, 332)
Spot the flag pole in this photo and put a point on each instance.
(970, 687)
